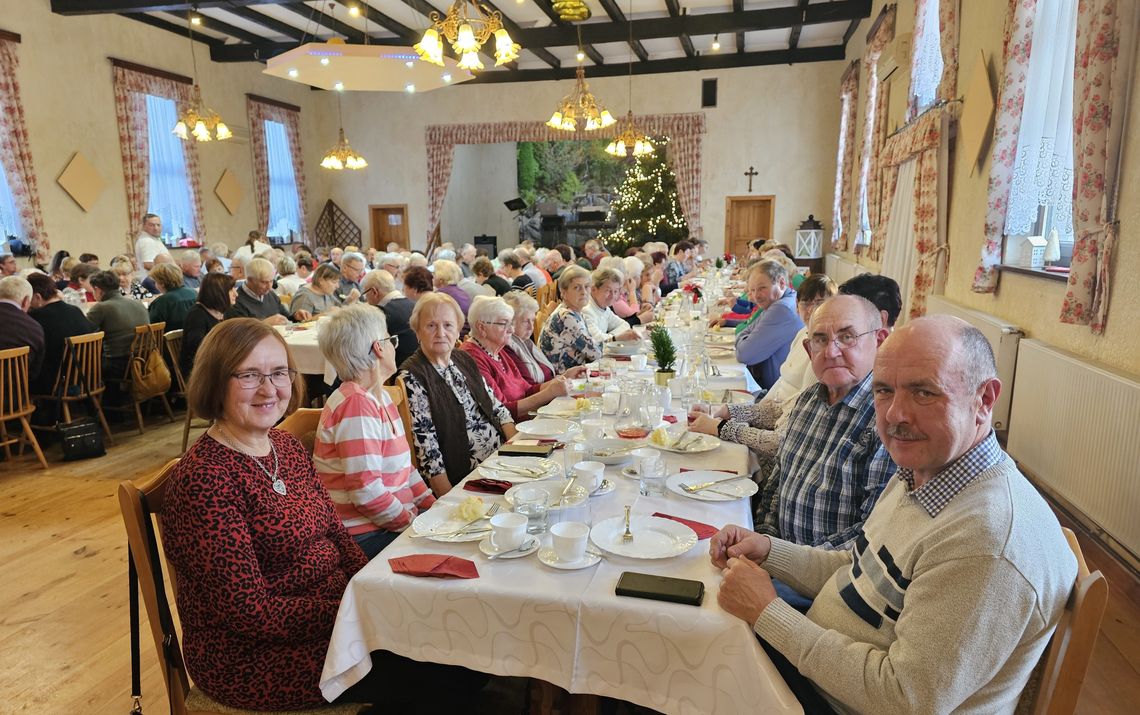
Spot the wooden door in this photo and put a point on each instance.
(389, 223)
(747, 218)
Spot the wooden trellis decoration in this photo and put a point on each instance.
(335, 228)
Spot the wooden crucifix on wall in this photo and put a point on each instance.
(750, 173)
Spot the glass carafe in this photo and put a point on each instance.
(632, 419)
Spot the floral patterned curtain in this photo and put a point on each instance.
(16, 154)
(1016, 48)
(258, 112)
(684, 130)
(845, 158)
(131, 88)
(874, 122)
(1098, 109)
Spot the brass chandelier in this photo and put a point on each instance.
(580, 105)
(196, 119)
(467, 26)
(342, 155)
(630, 141)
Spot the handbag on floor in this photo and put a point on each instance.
(82, 438)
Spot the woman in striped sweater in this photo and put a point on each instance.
(361, 453)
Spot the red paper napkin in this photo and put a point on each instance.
(703, 530)
(599, 373)
(488, 486)
(671, 419)
(436, 565)
(620, 358)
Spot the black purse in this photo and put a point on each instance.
(82, 438)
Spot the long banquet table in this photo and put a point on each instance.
(522, 618)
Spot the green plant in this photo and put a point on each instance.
(663, 348)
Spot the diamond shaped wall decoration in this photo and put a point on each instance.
(229, 191)
(82, 182)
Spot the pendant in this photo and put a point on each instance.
(279, 486)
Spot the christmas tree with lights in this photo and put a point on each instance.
(646, 207)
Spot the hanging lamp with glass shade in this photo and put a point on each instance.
(195, 119)
(467, 26)
(579, 109)
(630, 140)
(342, 155)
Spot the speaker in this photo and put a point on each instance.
(708, 92)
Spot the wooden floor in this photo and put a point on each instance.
(63, 591)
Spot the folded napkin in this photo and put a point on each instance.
(703, 530)
(600, 373)
(488, 486)
(620, 358)
(671, 419)
(436, 565)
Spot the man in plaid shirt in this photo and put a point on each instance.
(831, 465)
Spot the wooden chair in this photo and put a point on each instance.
(545, 293)
(1066, 660)
(173, 341)
(15, 402)
(303, 424)
(147, 338)
(141, 504)
(541, 317)
(80, 377)
(399, 394)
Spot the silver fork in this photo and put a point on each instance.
(490, 512)
(694, 488)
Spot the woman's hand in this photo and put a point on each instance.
(439, 484)
(718, 411)
(575, 372)
(352, 297)
(699, 422)
(558, 387)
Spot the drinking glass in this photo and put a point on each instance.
(532, 503)
(651, 477)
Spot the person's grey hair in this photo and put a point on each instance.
(189, 258)
(220, 249)
(394, 258)
(352, 257)
(521, 302)
(416, 259)
(771, 268)
(973, 357)
(615, 263)
(570, 274)
(122, 268)
(379, 279)
(286, 266)
(445, 254)
(873, 319)
(779, 257)
(507, 257)
(15, 288)
(429, 301)
(487, 309)
(259, 269)
(602, 276)
(633, 266)
(447, 271)
(346, 339)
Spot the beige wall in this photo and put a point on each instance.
(782, 120)
(65, 85)
(1032, 303)
(482, 178)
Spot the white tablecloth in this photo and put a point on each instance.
(522, 618)
(307, 352)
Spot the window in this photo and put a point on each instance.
(284, 201)
(169, 192)
(1041, 188)
(845, 158)
(926, 71)
(10, 226)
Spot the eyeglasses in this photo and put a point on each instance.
(393, 339)
(843, 341)
(253, 379)
(500, 324)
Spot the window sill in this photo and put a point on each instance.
(1036, 273)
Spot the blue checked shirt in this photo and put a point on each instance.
(830, 469)
(944, 486)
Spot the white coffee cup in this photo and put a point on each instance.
(641, 453)
(588, 475)
(508, 531)
(637, 362)
(569, 538)
(593, 430)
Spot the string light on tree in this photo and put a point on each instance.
(646, 207)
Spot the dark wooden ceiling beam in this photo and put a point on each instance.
(616, 15)
(314, 15)
(161, 24)
(100, 7)
(738, 6)
(676, 64)
(547, 7)
(674, 8)
(225, 28)
(264, 51)
(794, 38)
(269, 23)
(388, 23)
(850, 31)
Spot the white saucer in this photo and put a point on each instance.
(486, 548)
(630, 472)
(548, 557)
(606, 488)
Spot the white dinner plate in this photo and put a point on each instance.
(653, 537)
(509, 469)
(705, 443)
(546, 427)
(553, 490)
(720, 339)
(726, 371)
(604, 444)
(625, 347)
(548, 557)
(735, 397)
(531, 547)
(729, 491)
(442, 520)
(557, 412)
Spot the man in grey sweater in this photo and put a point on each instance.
(947, 601)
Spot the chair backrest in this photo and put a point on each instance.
(303, 425)
(541, 317)
(1066, 660)
(399, 393)
(141, 504)
(147, 338)
(173, 341)
(14, 398)
(545, 293)
(81, 369)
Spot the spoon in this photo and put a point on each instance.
(522, 547)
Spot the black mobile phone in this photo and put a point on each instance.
(660, 588)
(526, 450)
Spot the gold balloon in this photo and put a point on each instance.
(571, 10)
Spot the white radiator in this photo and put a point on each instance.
(1003, 337)
(1076, 427)
(840, 269)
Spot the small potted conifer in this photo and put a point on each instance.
(665, 353)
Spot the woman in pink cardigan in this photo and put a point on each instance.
(491, 325)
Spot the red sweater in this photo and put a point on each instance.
(503, 375)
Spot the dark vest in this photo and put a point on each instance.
(446, 413)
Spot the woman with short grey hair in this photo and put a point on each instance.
(521, 348)
(492, 325)
(565, 338)
(361, 452)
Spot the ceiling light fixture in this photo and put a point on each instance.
(196, 119)
(354, 11)
(580, 106)
(467, 26)
(716, 43)
(630, 141)
(342, 155)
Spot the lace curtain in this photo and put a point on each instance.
(16, 155)
(874, 125)
(845, 158)
(934, 64)
(1043, 167)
